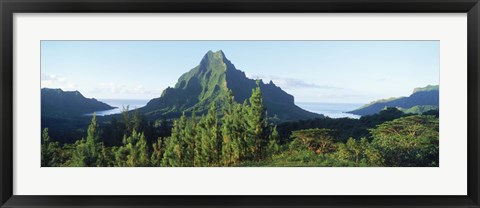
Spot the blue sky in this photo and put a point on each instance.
(312, 71)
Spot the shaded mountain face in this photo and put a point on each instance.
(56, 102)
(210, 81)
(421, 100)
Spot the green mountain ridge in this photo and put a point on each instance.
(421, 100)
(427, 88)
(418, 109)
(210, 82)
(56, 102)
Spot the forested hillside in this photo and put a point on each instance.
(422, 99)
(242, 135)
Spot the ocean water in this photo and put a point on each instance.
(119, 103)
(332, 110)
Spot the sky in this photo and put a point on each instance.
(311, 71)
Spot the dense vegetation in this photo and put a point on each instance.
(242, 135)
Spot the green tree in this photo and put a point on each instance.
(92, 145)
(190, 141)
(137, 150)
(408, 141)
(373, 156)
(170, 158)
(229, 134)
(362, 153)
(79, 154)
(241, 129)
(88, 152)
(210, 137)
(66, 154)
(121, 156)
(50, 156)
(352, 150)
(318, 140)
(143, 157)
(257, 124)
(199, 159)
(107, 157)
(174, 146)
(157, 152)
(273, 141)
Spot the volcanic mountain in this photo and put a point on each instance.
(210, 81)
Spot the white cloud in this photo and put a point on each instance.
(54, 81)
(114, 88)
(292, 83)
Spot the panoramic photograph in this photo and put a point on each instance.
(239, 103)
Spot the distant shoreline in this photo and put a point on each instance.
(118, 105)
(332, 110)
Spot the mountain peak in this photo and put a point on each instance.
(218, 55)
(210, 82)
(217, 58)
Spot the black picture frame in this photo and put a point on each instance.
(9, 7)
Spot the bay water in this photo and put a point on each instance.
(119, 104)
(332, 110)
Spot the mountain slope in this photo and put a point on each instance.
(56, 102)
(210, 81)
(422, 99)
